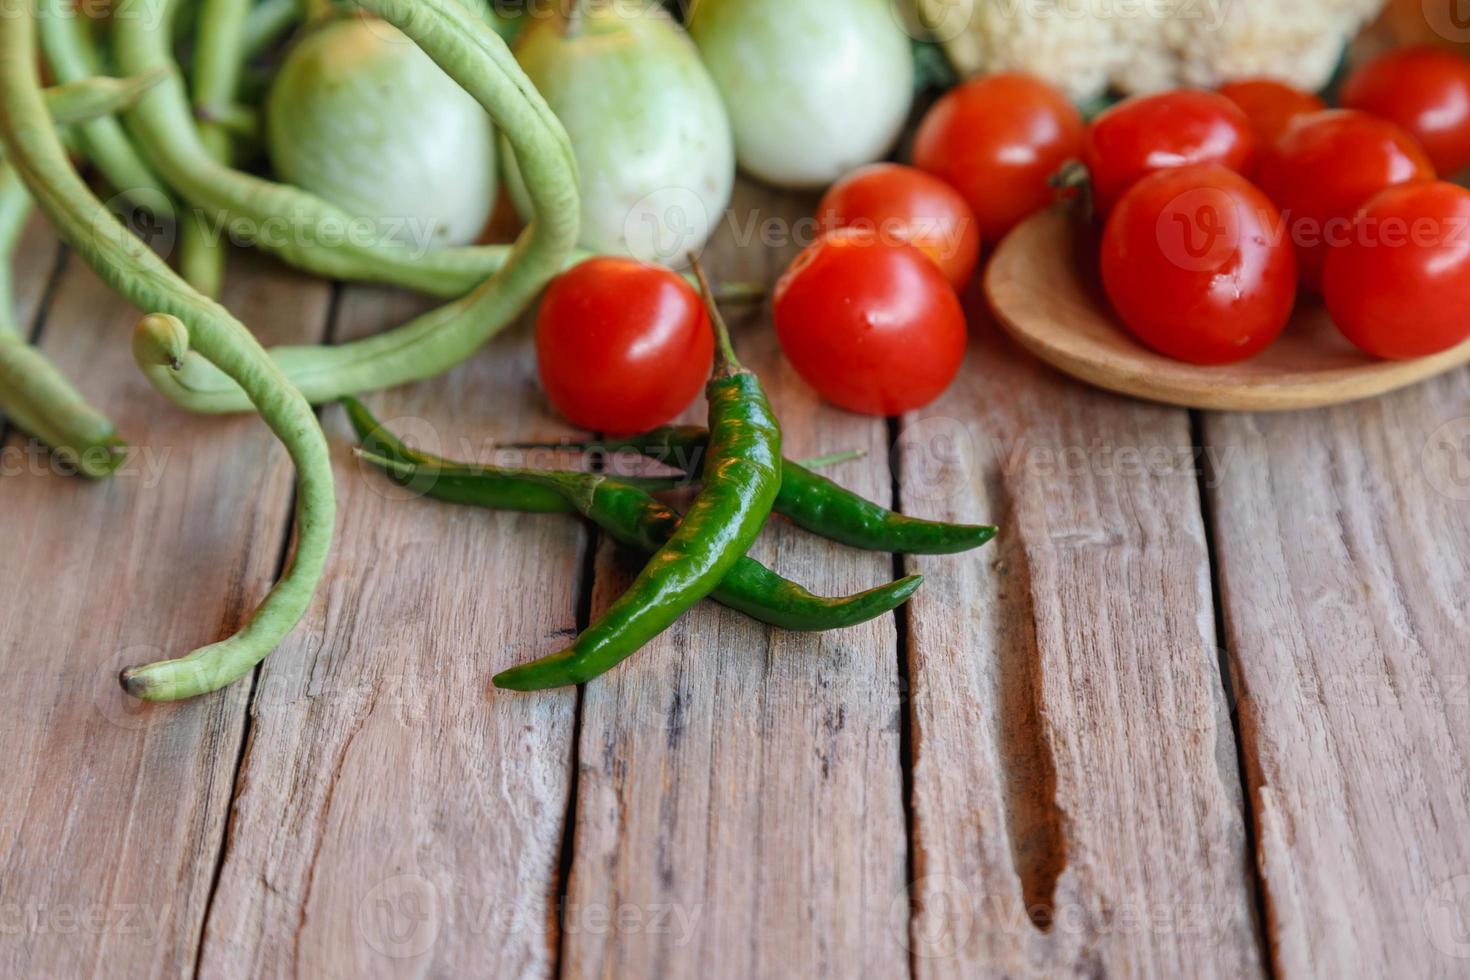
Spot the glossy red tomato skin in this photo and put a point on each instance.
(999, 140)
(1271, 106)
(1328, 165)
(1405, 295)
(623, 346)
(901, 203)
(1197, 267)
(1146, 133)
(874, 327)
(1426, 91)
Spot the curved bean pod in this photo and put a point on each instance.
(33, 148)
(474, 56)
(313, 232)
(72, 58)
(34, 395)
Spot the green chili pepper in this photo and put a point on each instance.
(806, 498)
(742, 476)
(630, 516)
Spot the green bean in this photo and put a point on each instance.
(268, 22)
(431, 344)
(809, 500)
(71, 57)
(741, 478)
(219, 57)
(32, 147)
(629, 516)
(87, 99)
(34, 395)
(164, 126)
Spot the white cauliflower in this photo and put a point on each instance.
(1089, 46)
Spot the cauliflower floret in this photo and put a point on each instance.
(1063, 41)
(1297, 43)
(1088, 46)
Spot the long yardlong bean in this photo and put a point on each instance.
(71, 56)
(219, 58)
(475, 57)
(88, 99)
(33, 148)
(34, 395)
(315, 238)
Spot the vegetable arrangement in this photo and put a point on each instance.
(374, 153)
(743, 480)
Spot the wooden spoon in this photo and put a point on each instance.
(1044, 291)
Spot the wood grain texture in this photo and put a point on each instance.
(396, 815)
(1344, 578)
(111, 811)
(1076, 802)
(739, 801)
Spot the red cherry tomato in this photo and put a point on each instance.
(1426, 91)
(874, 327)
(623, 346)
(904, 204)
(1270, 106)
(998, 140)
(1327, 166)
(1401, 287)
(1197, 267)
(1172, 129)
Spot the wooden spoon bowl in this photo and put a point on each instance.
(1042, 286)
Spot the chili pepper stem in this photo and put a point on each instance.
(726, 363)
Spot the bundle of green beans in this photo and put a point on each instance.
(170, 149)
(744, 478)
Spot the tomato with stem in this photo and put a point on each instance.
(999, 140)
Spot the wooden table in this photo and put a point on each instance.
(1203, 709)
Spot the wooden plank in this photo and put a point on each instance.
(113, 811)
(396, 814)
(1075, 795)
(1343, 576)
(739, 801)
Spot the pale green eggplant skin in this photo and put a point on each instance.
(360, 116)
(654, 149)
(815, 88)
